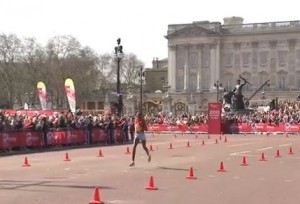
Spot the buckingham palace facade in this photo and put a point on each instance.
(203, 53)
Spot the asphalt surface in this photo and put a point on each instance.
(50, 179)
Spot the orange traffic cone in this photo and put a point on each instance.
(67, 157)
(191, 174)
(290, 151)
(151, 184)
(221, 168)
(244, 163)
(188, 144)
(26, 163)
(225, 140)
(151, 148)
(96, 197)
(262, 157)
(127, 151)
(277, 153)
(170, 145)
(100, 153)
(203, 142)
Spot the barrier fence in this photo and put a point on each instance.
(29, 139)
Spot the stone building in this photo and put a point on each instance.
(203, 53)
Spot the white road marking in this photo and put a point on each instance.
(242, 144)
(284, 145)
(265, 148)
(239, 153)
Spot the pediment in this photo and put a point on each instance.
(191, 31)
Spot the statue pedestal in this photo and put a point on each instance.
(167, 104)
(130, 105)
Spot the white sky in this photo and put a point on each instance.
(140, 24)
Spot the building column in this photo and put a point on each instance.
(199, 71)
(254, 64)
(213, 78)
(172, 67)
(237, 59)
(217, 59)
(292, 64)
(273, 63)
(186, 68)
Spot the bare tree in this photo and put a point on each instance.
(10, 47)
(130, 69)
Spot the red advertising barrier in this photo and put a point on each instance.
(265, 127)
(99, 135)
(64, 137)
(214, 118)
(12, 139)
(33, 138)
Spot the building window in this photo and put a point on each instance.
(282, 58)
(179, 80)
(100, 105)
(282, 80)
(193, 60)
(206, 57)
(193, 82)
(262, 78)
(263, 58)
(228, 60)
(91, 105)
(228, 80)
(180, 58)
(246, 59)
(205, 83)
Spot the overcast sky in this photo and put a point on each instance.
(140, 24)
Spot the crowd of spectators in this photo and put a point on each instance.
(286, 112)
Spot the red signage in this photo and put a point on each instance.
(214, 118)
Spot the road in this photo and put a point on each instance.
(49, 179)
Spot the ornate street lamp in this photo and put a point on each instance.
(119, 55)
(165, 86)
(141, 88)
(218, 86)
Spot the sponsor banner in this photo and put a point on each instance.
(99, 135)
(42, 94)
(33, 138)
(12, 139)
(214, 118)
(70, 92)
(68, 136)
(265, 127)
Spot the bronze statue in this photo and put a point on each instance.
(238, 98)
